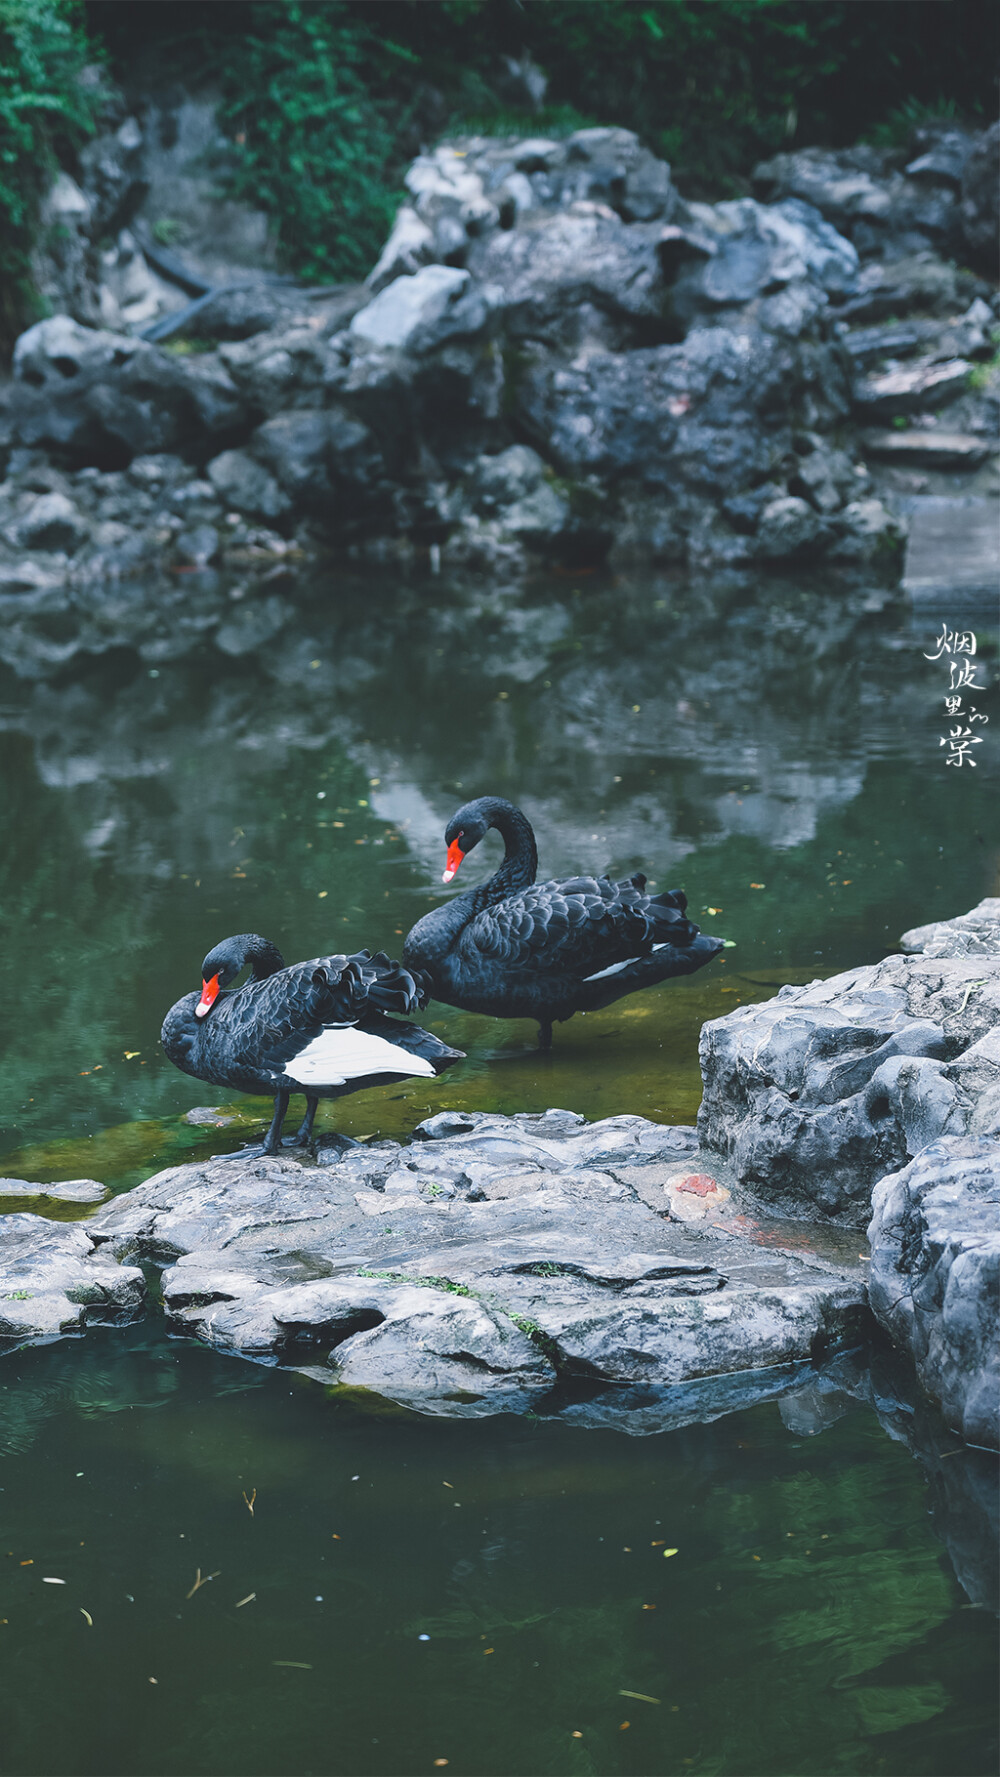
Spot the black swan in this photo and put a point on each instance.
(514, 948)
(319, 1027)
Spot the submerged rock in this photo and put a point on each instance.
(74, 1190)
(478, 1264)
(935, 1276)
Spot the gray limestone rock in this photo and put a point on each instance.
(246, 486)
(53, 1282)
(414, 314)
(980, 183)
(410, 245)
(574, 278)
(52, 522)
(788, 528)
(708, 416)
(935, 1276)
(96, 394)
(911, 388)
(971, 934)
(813, 1096)
(932, 449)
(478, 1263)
(327, 463)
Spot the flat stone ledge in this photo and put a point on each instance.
(475, 1268)
(54, 1281)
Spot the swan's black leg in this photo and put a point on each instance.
(303, 1135)
(545, 1034)
(272, 1140)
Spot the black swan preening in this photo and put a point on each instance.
(514, 948)
(318, 1027)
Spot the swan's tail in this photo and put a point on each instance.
(680, 955)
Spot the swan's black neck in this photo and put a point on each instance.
(230, 957)
(265, 958)
(520, 861)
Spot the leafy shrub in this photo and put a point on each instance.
(315, 144)
(46, 110)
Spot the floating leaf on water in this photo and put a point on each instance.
(86, 1613)
(47, 1580)
(247, 1600)
(640, 1696)
(129, 1055)
(299, 1665)
(668, 1552)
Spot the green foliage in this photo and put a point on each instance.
(45, 112)
(896, 129)
(325, 101)
(167, 231)
(982, 376)
(315, 144)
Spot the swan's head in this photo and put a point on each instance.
(223, 964)
(464, 830)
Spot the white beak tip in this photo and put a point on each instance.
(447, 877)
(202, 1011)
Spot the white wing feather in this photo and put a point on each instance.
(342, 1053)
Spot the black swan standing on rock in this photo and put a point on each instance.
(514, 948)
(318, 1027)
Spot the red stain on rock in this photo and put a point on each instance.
(698, 1183)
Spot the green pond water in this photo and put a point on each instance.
(773, 751)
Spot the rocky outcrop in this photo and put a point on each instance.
(814, 1096)
(971, 934)
(769, 380)
(935, 1276)
(53, 1281)
(469, 1270)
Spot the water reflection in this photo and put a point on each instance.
(408, 1590)
(771, 749)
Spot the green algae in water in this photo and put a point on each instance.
(809, 1623)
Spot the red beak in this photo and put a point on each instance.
(454, 858)
(209, 995)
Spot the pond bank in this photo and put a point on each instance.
(470, 1270)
